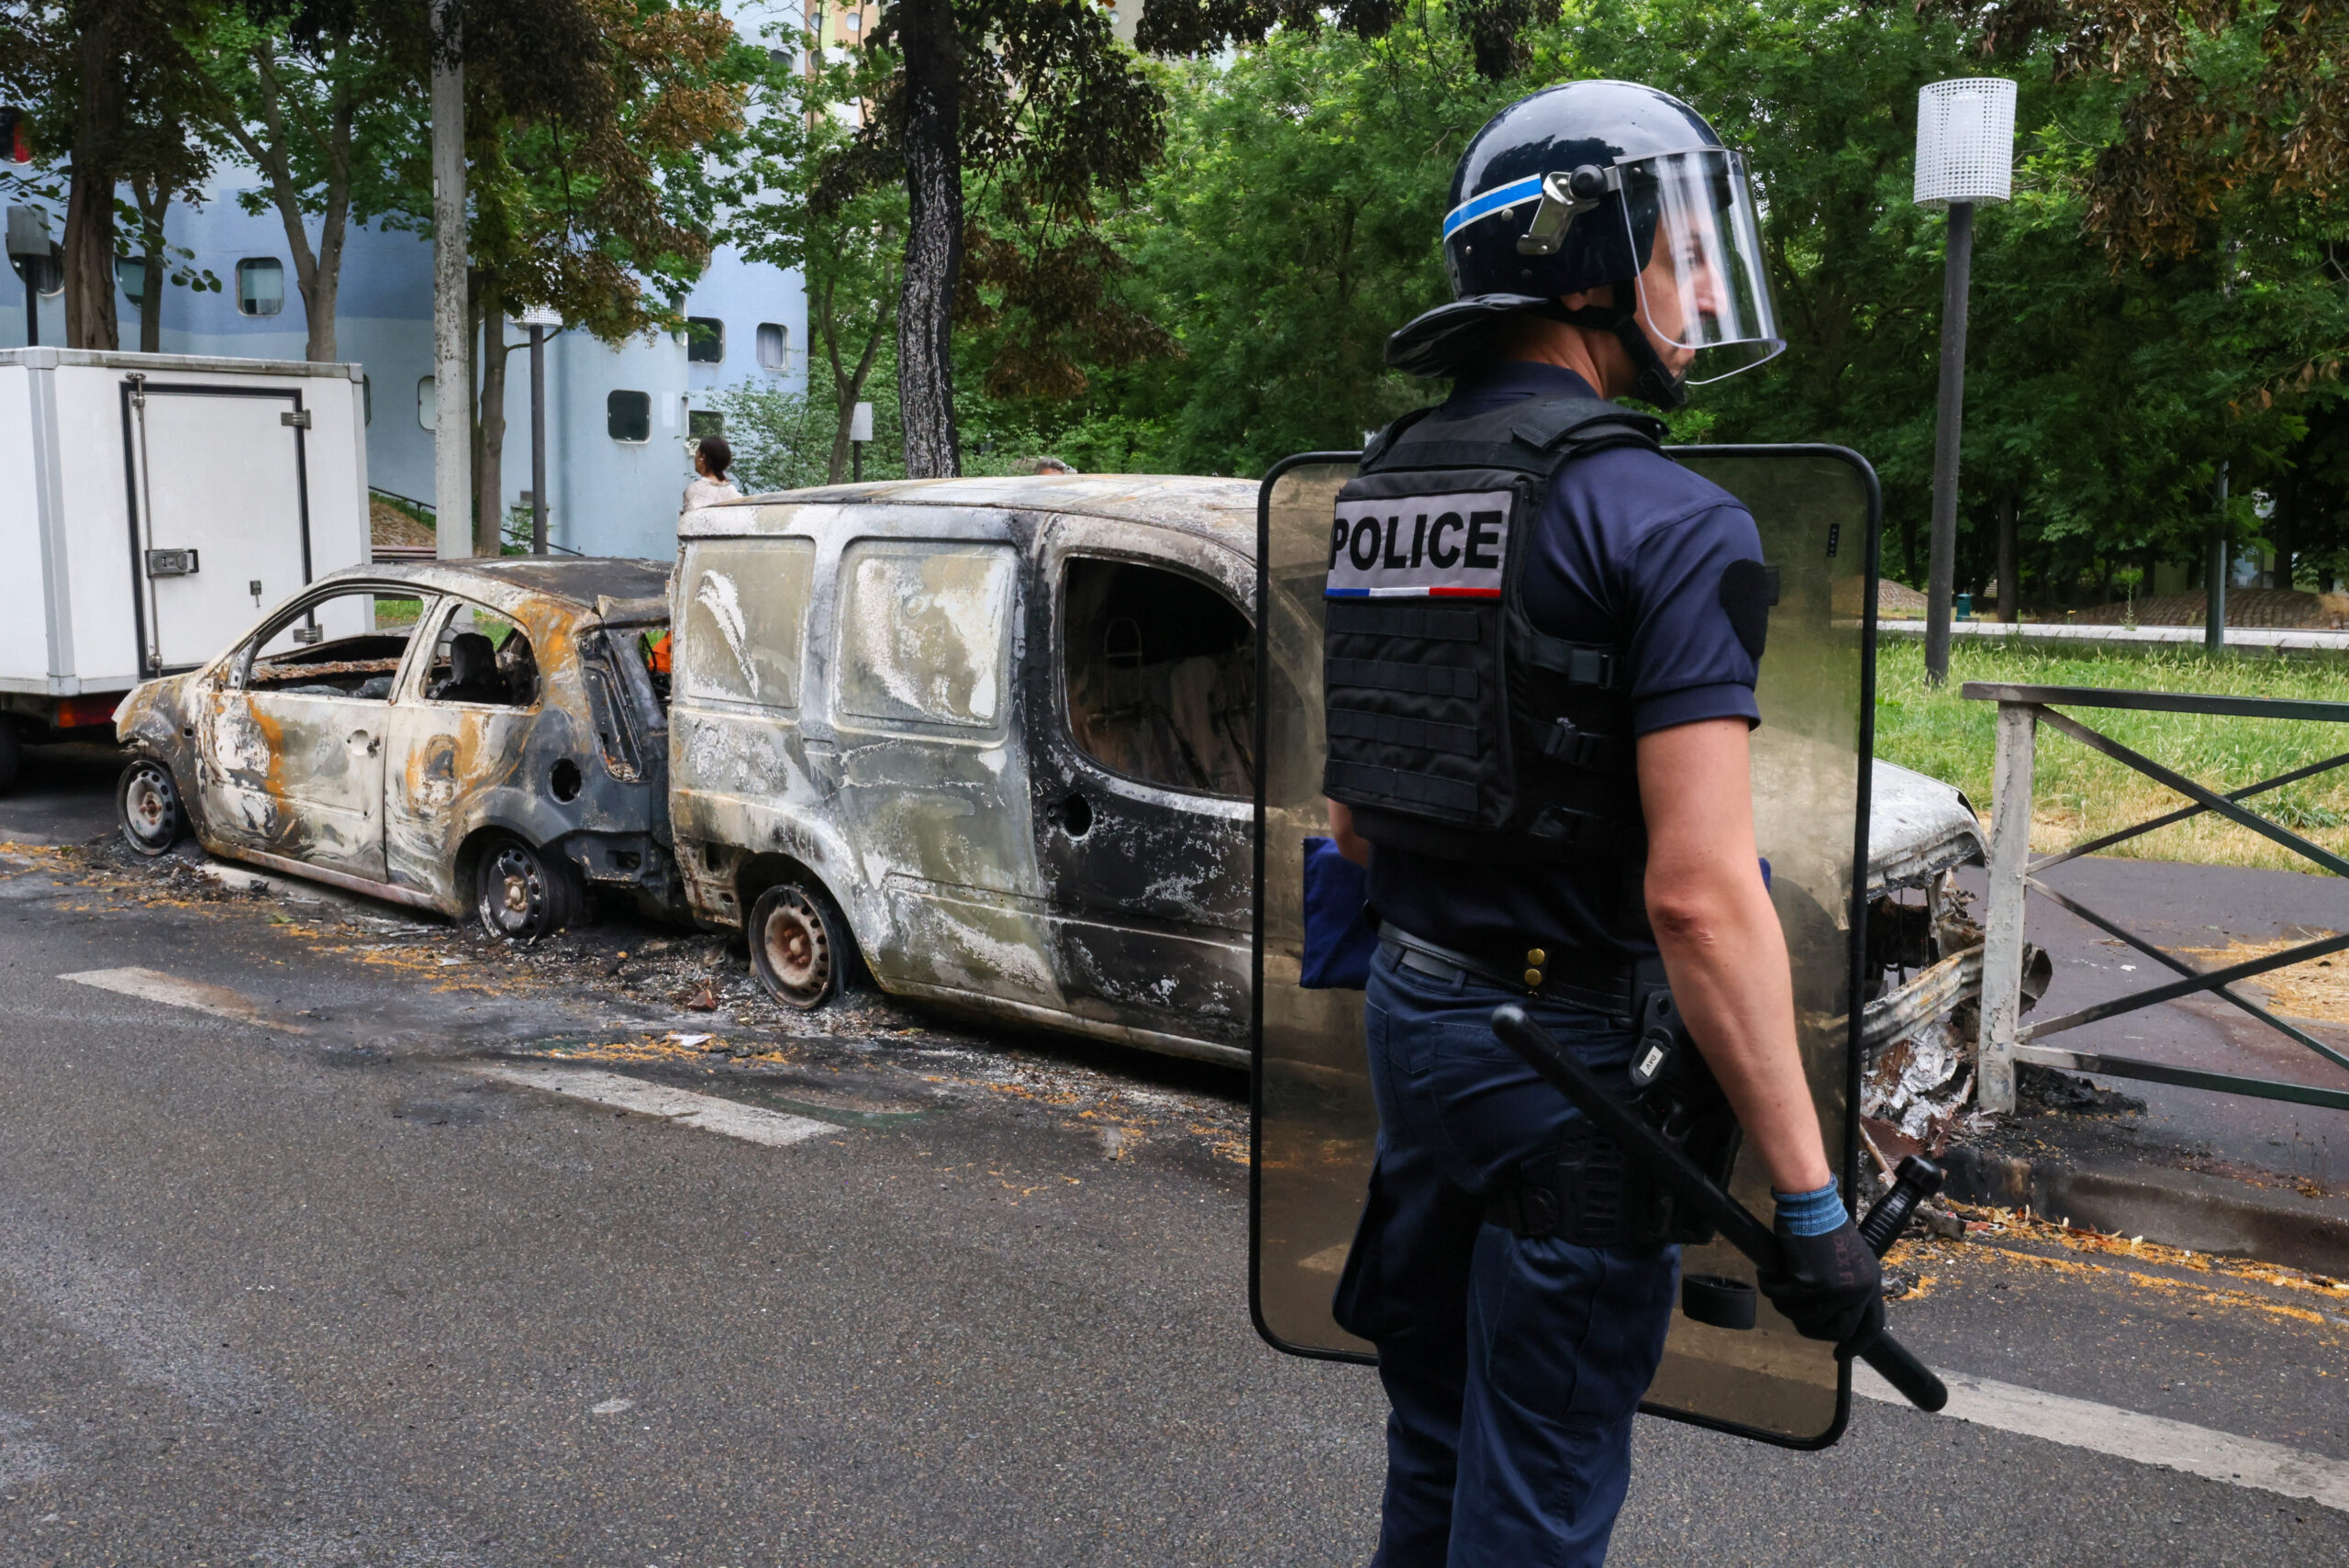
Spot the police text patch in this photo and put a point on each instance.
(1450, 546)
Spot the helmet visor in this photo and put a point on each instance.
(1703, 285)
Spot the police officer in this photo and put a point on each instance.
(1542, 640)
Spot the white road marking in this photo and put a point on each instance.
(687, 1108)
(154, 986)
(2126, 1434)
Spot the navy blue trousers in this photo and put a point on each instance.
(1513, 1365)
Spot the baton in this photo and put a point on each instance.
(1666, 1161)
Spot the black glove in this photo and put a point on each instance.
(1829, 1287)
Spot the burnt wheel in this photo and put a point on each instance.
(800, 946)
(147, 802)
(522, 893)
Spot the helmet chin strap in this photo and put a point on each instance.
(1655, 383)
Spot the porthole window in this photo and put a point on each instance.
(131, 272)
(701, 422)
(627, 417)
(705, 339)
(428, 405)
(775, 346)
(261, 286)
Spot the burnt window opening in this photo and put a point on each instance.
(1161, 674)
(347, 646)
(484, 659)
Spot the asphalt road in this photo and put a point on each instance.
(289, 1281)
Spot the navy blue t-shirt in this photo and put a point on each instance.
(1629, 549)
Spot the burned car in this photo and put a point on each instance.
(1923, 962)
(986, 739)
(476, 735)
(990, 742)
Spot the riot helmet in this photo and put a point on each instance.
(1596, 185)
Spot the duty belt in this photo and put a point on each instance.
(1600, 985)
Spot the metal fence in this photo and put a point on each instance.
(2005, 1041)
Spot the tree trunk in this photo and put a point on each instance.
(489, 473)
(933, 237)
(2009, 574)
(89, 209)
(154, 203)
(847, 385)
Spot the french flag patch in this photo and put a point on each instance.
(1421, 547)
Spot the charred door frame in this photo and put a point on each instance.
(1057, 760)
(133, 389)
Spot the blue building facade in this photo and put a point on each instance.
(618, 419)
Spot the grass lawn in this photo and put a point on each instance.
(2080, 794)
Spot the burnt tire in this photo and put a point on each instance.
(801, 948)
(147, 805)
(521, 893)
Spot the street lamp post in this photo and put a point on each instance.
(538, 318)
(1965, 137)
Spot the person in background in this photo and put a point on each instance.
(712, 458)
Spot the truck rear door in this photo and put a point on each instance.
(219, 511)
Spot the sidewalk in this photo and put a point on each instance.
(2269, 639)
(2215, 1172)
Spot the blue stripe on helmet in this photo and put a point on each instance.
(1492, 201)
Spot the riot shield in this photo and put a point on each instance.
(1314, 1126)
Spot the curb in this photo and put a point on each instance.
(2191, 1209)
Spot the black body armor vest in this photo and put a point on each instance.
(1455, 729)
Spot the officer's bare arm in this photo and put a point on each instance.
(1350, 844)
(1722, 948)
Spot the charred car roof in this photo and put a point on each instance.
(1220, 509)
(579, 580)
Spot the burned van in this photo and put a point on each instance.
(987, 740)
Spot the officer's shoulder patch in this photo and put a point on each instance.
(1748, 590)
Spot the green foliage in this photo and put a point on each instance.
(1287, 232)
(2078, 793)
(1293, 224)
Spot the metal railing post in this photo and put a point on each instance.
(2002, 933)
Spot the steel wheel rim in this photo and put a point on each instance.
(514, 894)
(148, 808)
(797, 951)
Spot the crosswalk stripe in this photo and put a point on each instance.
(2127, 1434)
(197, 995)
(707, 1112)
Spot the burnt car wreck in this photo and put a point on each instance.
(484, 738)
(1924, 963)
(988, 740)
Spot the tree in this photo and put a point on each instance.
(314, 100)
(1290, 228)
(584, 122)
(848, 253)
(1038, 101)
(107, 81)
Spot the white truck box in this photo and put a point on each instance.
(151, 505)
